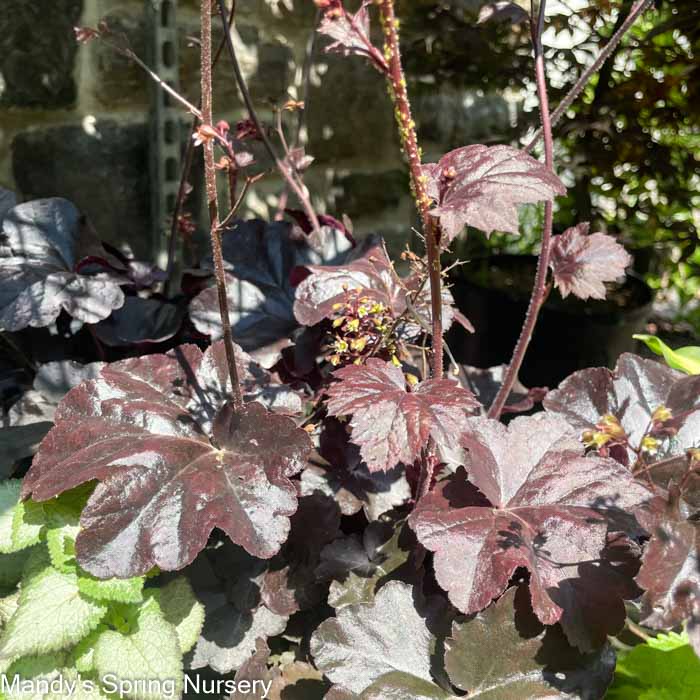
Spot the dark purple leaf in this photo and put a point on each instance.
(41, 245)
(229, 635)
(583, 262)
(339, 472)
(502, 11)
(290, 584)
(259, 260)
(549, 510)
(670, 575)
(140, 321)
(482, 186)
(173, 461)
(486, 382)
(637, 394)
(359, 566)
(32, 416)
(8, 200)
(505, 654)
(256, 669)
(392, 425)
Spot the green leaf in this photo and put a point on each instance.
(17, 529)
(52, 615)
(685, 359)
(61, 546)
(129, 590)
(668, 642)
(182, 610)
(149, 652)
(653, 674)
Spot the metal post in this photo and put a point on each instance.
(165, 141)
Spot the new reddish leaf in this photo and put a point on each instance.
(482, 186)
(547, 512)
(391, 424)
(369, 269)
(350, 33)
(582, 262)
(173, 461)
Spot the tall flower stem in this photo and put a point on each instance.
(409, 143)
(539, 290)
(282, 165)
(212, 200)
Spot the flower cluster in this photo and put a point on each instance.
(362, 328)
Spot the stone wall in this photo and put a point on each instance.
(74, 121)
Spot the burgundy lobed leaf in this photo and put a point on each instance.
(173, 460)
(369, 271)
(392, 424)
(548, 511)
(482, 186)
(582, 262)
(670, 575)
(642, 407)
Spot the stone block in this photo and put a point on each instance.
(360, 194)
(102, 167)
(350, 115)
(37, 52)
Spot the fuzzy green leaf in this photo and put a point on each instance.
(52, 615)
(149, 651)
(129, 590)
(182, 610)
(32, 670)
(8, 607)
(17, 531)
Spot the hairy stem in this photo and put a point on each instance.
(637, 9)
(409, 143)
(539, 290)
(284, 168)
(185, 176)
(212, 199)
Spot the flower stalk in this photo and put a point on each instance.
(212, 200)
(409, 143)
(539, 290)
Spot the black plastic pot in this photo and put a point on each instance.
(570, 334)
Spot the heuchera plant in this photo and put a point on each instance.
(271, 474)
